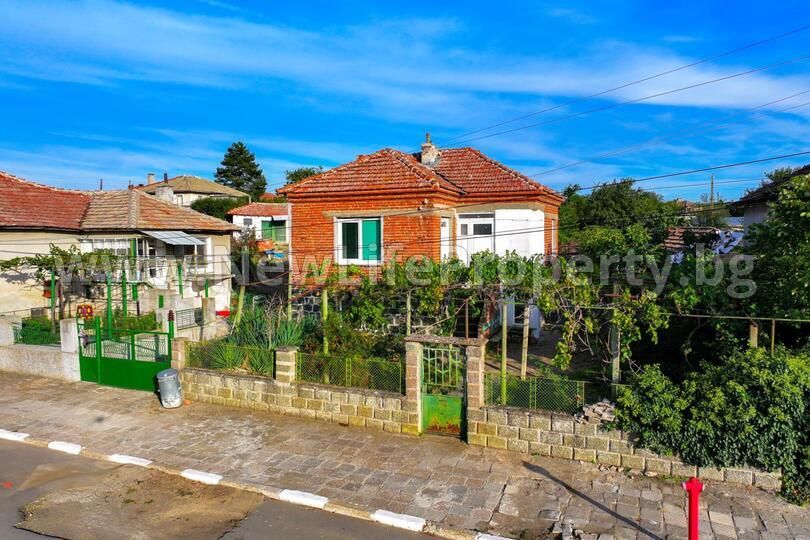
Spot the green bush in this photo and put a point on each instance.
(138, 323)
(751, 409)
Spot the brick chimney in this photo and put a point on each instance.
(150, 178)
(430, 154)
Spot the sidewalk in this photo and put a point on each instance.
(439, 479)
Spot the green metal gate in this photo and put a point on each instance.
(443, 391)
(122, 358)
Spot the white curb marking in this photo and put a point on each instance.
(66, 447)
(303, 498)
(401, 521)
(129, 460)
(12, 435)
(200, 476)
(482, 536)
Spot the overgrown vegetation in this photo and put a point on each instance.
(751, 408)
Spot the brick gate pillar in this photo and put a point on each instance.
(413, 383)
(476, 353)
(286, 357)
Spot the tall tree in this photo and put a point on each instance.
(240, 171)
(296, 175)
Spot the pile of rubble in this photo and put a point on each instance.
(598, 413)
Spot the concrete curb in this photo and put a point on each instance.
(300, 498)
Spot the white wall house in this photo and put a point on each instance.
(500, 230)
(186, 188)
(269, 221)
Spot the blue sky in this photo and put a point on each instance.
(117, 89)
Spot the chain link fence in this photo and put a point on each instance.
(352, 372)
(226, 356)
(560, 395)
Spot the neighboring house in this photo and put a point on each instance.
(186, 189)
(169, 245)
(438, 203)
(754, 204)
(269, 221)
(717, 241)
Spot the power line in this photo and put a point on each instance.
(638, 100)
(594, 186)
(707, 126)
(632, 83)
(705, 169)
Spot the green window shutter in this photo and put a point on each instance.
(372, 240)
(267, 230)
(280, 231)
(349, 234)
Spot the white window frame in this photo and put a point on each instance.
(338, 230)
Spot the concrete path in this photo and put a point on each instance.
(439, 479)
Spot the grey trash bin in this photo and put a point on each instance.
(169, 387)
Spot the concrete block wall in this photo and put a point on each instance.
(561, 436)
(56, 362)
(383, 411)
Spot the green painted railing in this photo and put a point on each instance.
(442, 369)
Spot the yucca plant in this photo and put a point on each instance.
(225, 356)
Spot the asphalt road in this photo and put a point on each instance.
(29, 472)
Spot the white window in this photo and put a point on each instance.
(116, 246)
(358, 241)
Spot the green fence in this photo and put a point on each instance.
(34, 335)
(535, 393)
(187, 318)
(370, 373)
(230, 357)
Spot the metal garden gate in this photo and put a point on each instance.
(123, 358)
(443, 390)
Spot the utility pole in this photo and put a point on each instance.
(711, 191)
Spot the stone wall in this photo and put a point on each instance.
(384, 411)
(560, 435)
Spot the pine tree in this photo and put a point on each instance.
(240, 171)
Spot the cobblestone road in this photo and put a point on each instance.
(439, 479)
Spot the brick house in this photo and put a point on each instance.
(438, 203)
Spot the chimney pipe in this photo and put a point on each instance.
(430, 154)
(165, 177)
(150, 178)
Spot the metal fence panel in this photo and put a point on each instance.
(187, 318)
(561, 395)
(352, 372)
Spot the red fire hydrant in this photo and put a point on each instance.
(693, 487)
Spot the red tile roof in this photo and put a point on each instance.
(30, 206)
(382, 171)
(261, 210)
(478, 174)
(465, 172)
(25, 205)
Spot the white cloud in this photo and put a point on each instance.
(404, 69)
